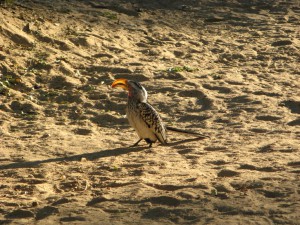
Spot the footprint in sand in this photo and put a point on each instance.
(295, 122)
(268, 118)
(294, 106)
(45, 212)
(220, 89)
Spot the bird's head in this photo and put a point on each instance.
(135, 89)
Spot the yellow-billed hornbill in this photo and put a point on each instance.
(141, 115)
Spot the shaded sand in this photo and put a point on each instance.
(228, 70)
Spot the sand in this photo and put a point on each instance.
(226, 69)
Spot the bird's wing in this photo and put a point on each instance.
(153, 121)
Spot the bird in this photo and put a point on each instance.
(141, 115)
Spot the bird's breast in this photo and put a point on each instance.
(137, 122)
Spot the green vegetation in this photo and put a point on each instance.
(7, 2)
(42, 55)
(39, 62)
(110, 15)
(181, 69)
(89, 87)
(6, 81)
(4, 90)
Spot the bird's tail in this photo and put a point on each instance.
(186, 132)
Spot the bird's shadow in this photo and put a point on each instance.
(89, 156)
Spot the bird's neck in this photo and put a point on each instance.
(134, 99)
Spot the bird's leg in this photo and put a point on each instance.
(136, 143)
(149, 142)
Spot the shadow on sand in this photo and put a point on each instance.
(90, 156)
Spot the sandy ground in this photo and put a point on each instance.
(227, 69)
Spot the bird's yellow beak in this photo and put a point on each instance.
(120, 83)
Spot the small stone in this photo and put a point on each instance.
(26, 28)
(34, 204)
(82, 131)
(46, 135)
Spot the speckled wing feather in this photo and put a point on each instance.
(153, 120)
